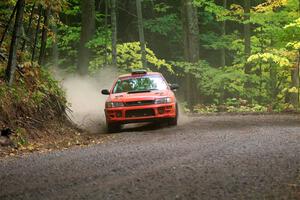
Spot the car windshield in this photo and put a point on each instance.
(140, 84)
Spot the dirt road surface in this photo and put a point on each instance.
(207, 157)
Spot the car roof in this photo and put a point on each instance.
(130, 75)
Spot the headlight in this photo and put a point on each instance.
(114, 104)
(163, 100)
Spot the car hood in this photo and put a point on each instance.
(125, 97)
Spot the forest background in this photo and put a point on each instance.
(227, 55)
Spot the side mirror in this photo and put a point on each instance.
(174, 86)
(105, 92)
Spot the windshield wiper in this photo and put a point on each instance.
(138, 91)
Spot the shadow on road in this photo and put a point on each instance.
(140, 127)
(143, 127)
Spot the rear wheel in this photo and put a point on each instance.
(113, 128)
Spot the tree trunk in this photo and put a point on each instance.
(12, 58)
(28, 30)
(98, 7)
(141, 32)
(105, 26)
(191, 31)
(223, 33)
(295, 83)
(114, 32)
(44, 36)
(273, 81)
(247, 34)
(87, 32)
(295, 78)
(55, 52)
(247, 45)
(8, 23)
(190, 46)
(37, 31)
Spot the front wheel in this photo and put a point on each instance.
(174, 121)
(113, 128)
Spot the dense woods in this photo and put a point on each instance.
(225, 54)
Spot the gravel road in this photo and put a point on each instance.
(208, 157)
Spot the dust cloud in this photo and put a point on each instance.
(85, 98)
(183, 118)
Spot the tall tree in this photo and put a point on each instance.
(44, 36)
(141, 32)
(8, 24)
(247, 33)
(29, 28)
(190, 31)
(295, 75)
(190, 45)
(55, 52)
(87, 32)
(12, 59)
(37, 31)
(223, 33)
(105, 26)
(114, 32)
(295, 83)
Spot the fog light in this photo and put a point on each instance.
(119, 114)
(161, 110)
(168, 109)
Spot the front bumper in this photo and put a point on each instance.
(145, 113)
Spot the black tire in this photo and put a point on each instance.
(113, 128)
(174, 121)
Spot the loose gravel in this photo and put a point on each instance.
(207, 157)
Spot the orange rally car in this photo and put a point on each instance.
(140, 97)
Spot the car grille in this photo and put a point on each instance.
(139, 103)
(139, 113)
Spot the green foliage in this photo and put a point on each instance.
(232, 106)
(68, 41)
(73, 8)
(256, 108)
(129, 57)
(34, 96)
(292, 32)
(19, 139)
(204, 109)
(269, 58)
(161, 7)
(168, 26)
(275, 45)
(215, 83)
(222, 85)
(164, 25)
(5, 9)
(220, 13)
(101, 39)
(211, 40)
